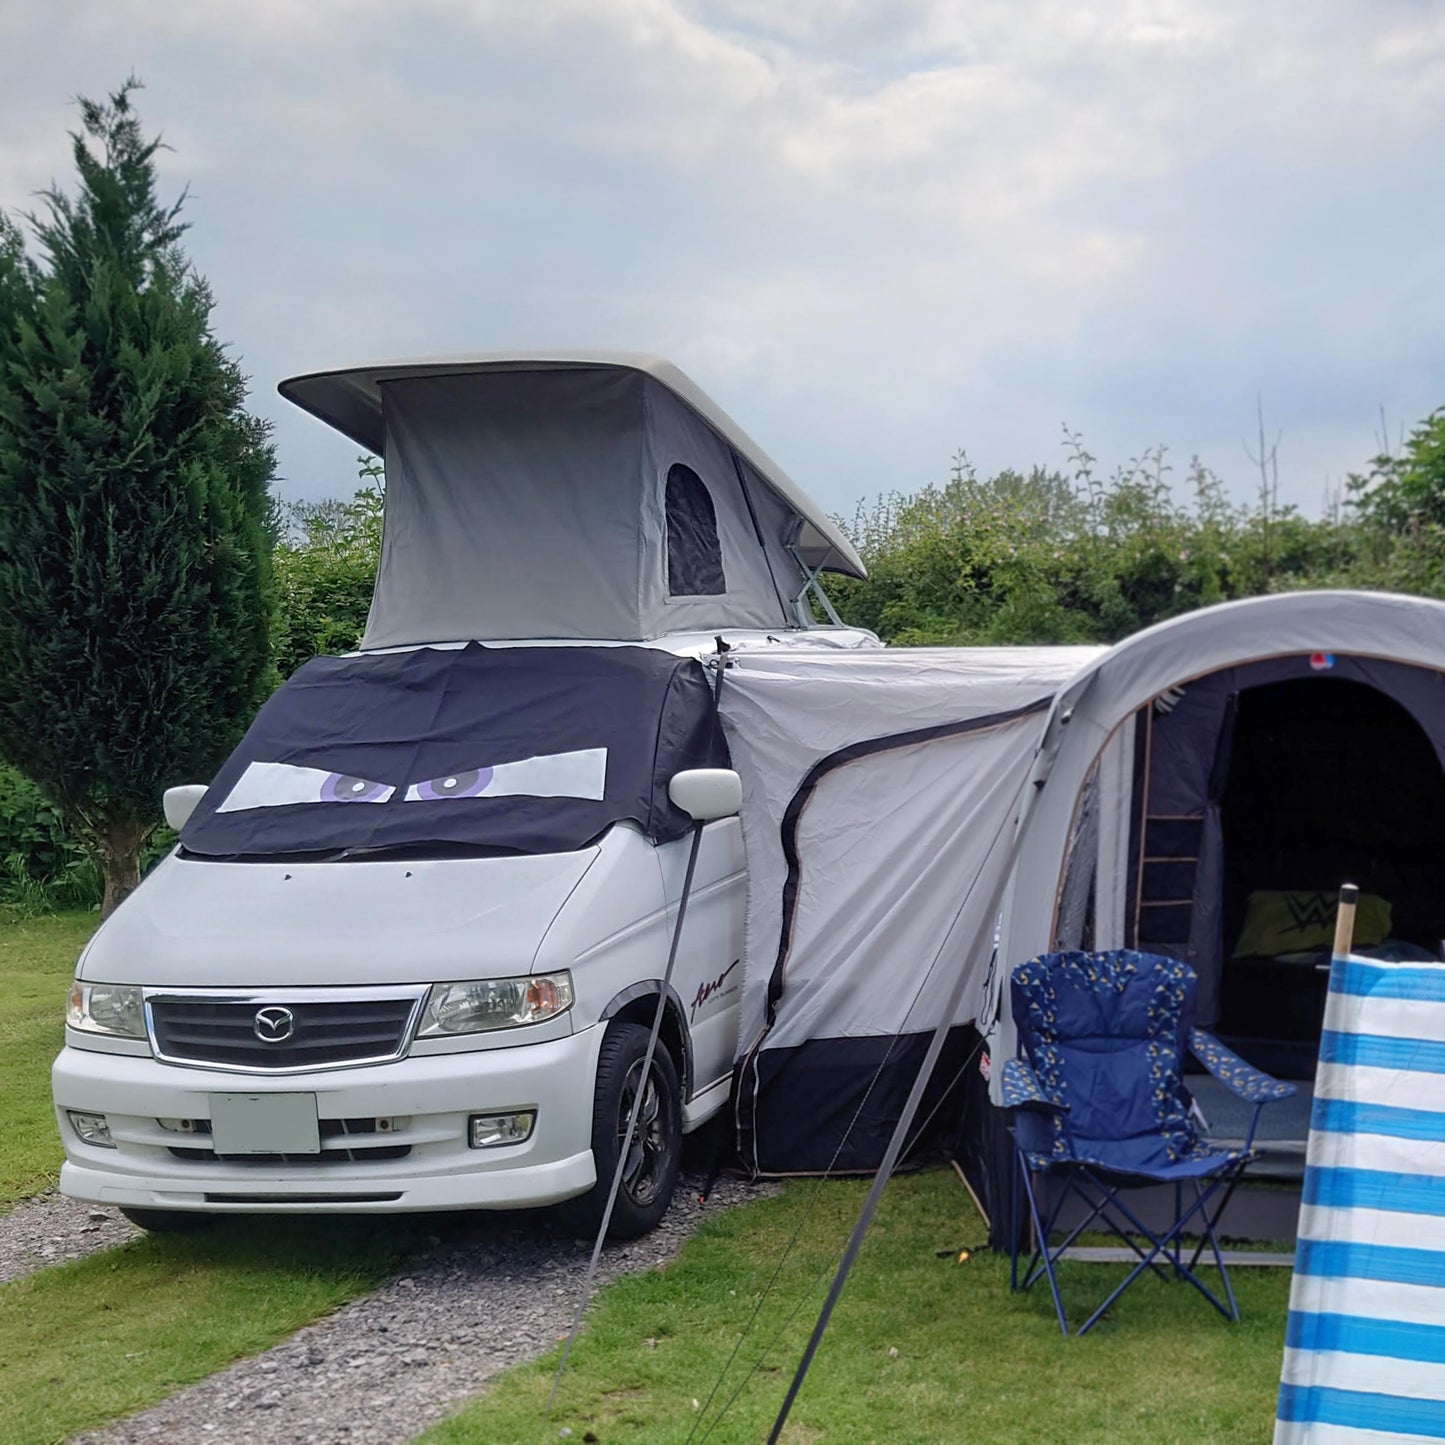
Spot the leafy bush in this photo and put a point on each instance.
(326, 569)
(1045, 558)
(42, 867)
(1406, 493)
(32, 828)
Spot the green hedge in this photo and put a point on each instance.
(42, 867)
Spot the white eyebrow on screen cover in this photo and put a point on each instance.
(274, 785)
(580, 774)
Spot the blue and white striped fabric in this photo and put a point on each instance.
(1364, 1357)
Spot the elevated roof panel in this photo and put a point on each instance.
(349, 399)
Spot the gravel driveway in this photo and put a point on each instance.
(492, 1291)
(51, 1228)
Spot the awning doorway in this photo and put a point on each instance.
(1327, 779)
(1259, 789)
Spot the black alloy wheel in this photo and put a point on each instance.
(649, 1175)
(645, 1172)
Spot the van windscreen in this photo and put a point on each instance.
(526, 750)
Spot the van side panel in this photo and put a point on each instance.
(708, 975)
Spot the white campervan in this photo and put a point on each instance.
(408, 950)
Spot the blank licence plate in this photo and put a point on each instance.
(264, 1124)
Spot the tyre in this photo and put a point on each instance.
(650, 1174)
(168, 1221)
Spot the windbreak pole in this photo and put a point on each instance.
(1345, 919)
(585, 1294)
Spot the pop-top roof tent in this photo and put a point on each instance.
(589, 495)
(918, 822)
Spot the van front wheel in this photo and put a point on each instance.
(649, 1175)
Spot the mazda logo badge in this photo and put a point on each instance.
(274, 1025)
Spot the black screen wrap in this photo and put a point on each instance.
(430, 749)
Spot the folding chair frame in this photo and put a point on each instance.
(1102, 1206)
(1100, 1187)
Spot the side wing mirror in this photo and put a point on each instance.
(179, 803)
(707, 793)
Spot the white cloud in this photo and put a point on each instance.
(1418, 40)
(879, 229)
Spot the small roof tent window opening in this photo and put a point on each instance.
(694, 554)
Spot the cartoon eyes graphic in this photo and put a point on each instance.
(339, 788)
(273, 785)
(581, 774)
(470, 784)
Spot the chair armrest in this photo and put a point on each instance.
(1241, 1078)
(1022, 1090)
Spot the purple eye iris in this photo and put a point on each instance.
(469, 784)
(341, 788)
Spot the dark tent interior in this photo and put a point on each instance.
(1327, 780)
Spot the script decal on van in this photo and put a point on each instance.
(705, 991)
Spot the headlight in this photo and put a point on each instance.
(494, 1003)
(106, 1008)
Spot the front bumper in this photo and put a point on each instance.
(418, 1159)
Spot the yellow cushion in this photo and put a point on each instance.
(1292, 922)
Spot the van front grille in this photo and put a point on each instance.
(258, 1034)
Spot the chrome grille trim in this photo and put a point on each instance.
(408, 997)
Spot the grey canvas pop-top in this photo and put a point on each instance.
(570, 495)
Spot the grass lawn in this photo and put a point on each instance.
(37, 962)
(84, 1343)
(972, 1362)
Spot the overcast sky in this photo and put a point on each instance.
(876, 231)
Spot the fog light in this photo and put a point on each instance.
(92, 1129)
(491, 1131)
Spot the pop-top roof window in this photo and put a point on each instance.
(694, 555)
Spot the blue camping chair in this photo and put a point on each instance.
(1099, 1103)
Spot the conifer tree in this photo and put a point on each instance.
(136, 592)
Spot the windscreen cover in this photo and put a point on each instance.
(522, 750)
